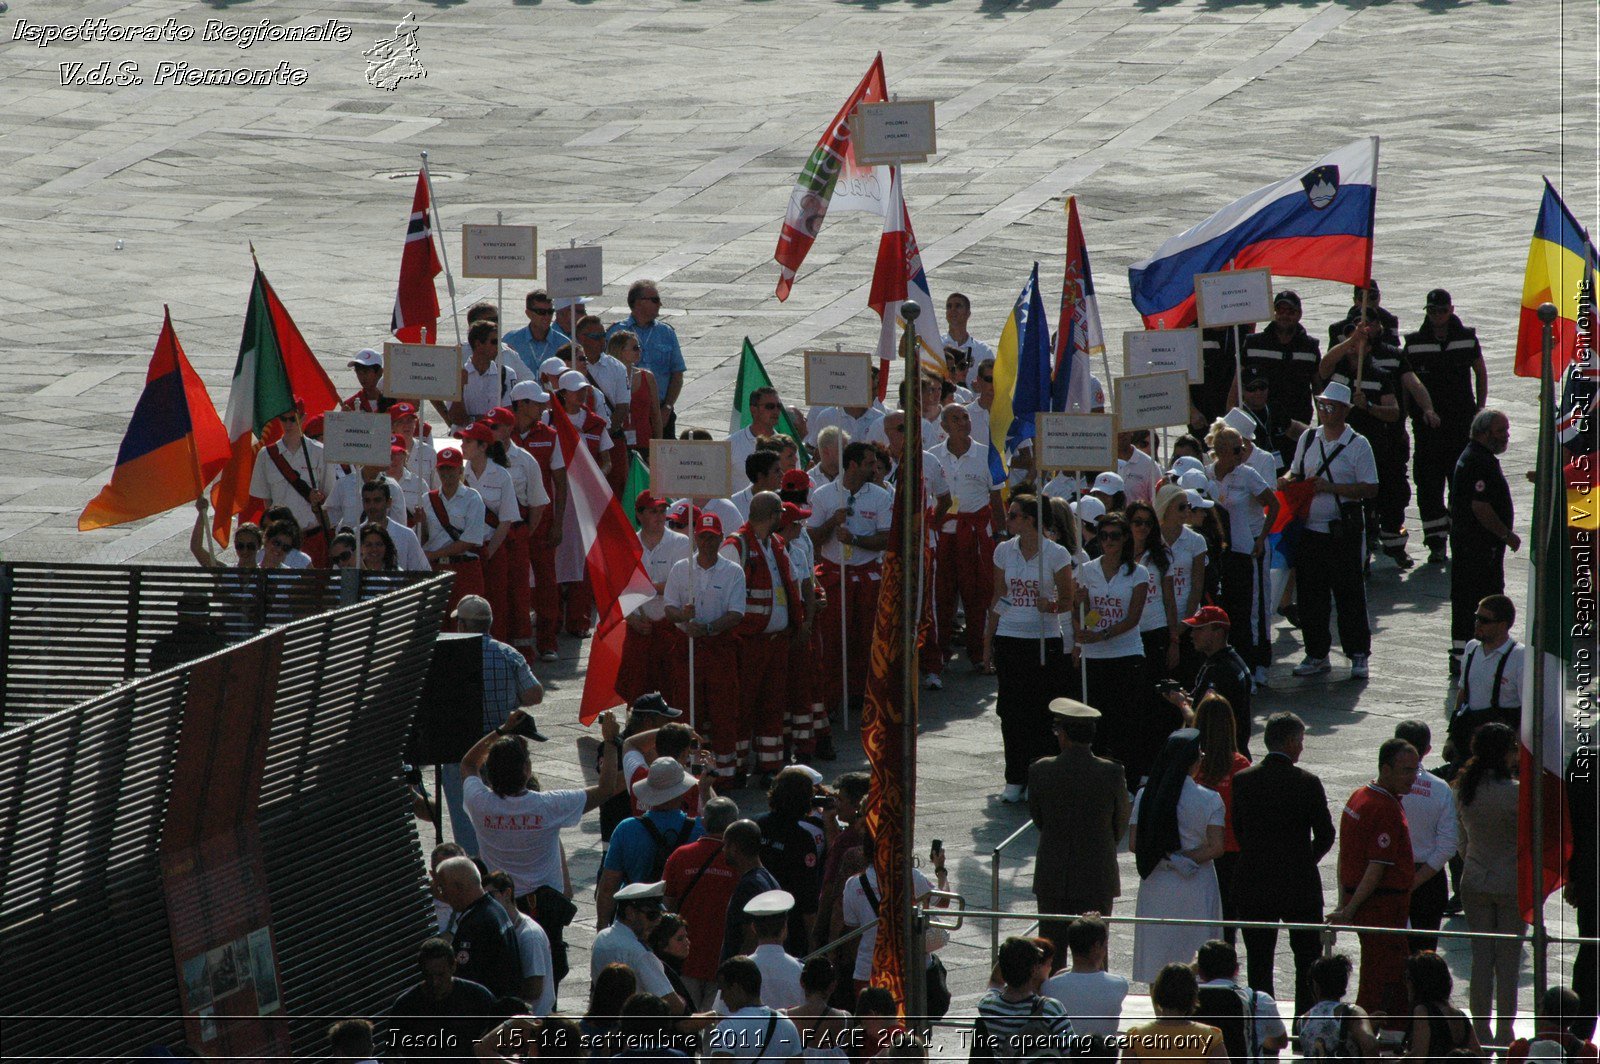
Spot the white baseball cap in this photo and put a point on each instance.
(572, 381)
(1195, 480)
(366, 357)
(1088, 509)
(1185, 464)
(1110, 483)
(552, 367)
(568, 302)
(529, 390)
(1197, 501)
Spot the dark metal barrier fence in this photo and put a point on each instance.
(85, 792)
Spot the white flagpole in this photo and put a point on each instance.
(1083, 662)
(691, 685)
(1039, 518)
(444, 256)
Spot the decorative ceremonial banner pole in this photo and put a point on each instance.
(912, 540)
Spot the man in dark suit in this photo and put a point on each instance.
(1280, 817)
(1080, 803)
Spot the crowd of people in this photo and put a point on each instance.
(1127, 619)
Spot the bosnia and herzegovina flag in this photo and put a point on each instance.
(1317, 223)
(174, 445)
(1558, 259)
(1021, 370)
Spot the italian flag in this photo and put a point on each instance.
(611, 554)
(275, 368)
(753, 376)
(1550, 604)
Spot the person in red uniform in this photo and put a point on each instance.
(532, 499)
(494, 485)
(571, 392)
(528, 404)
(1375, 874)
(368, 365)
(651, 647)
(773, 612)
(806, 724)
(291, 472)
(704, 597)
(453, 528)
(966, 537)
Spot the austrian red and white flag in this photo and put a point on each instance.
(612, 553)
(898, 276)
(416, 304)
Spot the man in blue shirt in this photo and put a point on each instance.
(658, 343)
(641, 844)
(539, 339)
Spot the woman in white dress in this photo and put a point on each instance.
(1176, 833)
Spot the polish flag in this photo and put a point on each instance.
(612, 553)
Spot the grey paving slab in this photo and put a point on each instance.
(672, 133)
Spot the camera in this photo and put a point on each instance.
(527, 729)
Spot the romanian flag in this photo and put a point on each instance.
(1558, 261)
(275, 369)
(174, 445)
(893, 788)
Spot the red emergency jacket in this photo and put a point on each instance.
(758, 583)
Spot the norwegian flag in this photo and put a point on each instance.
(416, 304)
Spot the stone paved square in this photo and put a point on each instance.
(671, 133)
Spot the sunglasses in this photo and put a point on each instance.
(1141, 522)
(246, 546)
(543, 312)
(1481, 619)
(1111, 535)
(340, 558)
(1184, 507)
(649, 299)
(986, 379)
(593, 336)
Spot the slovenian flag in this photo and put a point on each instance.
(174, 445)
(1317, 223)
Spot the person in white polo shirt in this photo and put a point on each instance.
(1430, 808)
(483, 385)
(966, 537)
(752, 1032)
(453, 529)
(638, 907)
(705, 597)
(1140, 473)
(1339, 462)
(780, 973)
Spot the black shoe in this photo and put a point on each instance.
(1453, 906)
(1437, 556)
(1291, 613)
(825, 750)
(1401, 558)
(1455, 666)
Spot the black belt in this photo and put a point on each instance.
(456, 559)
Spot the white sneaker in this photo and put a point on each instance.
(1359, 668)
(1260, 676)
(548, 655)
(1012, 793)
(1312, 666)
(933, 682)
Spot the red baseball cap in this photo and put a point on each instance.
(400, 410)
(682, 513)
(796, 480)
(708, 523)
(793, 512)
(478, 430)
(1209, 615)
(313, 426)
(448, 457)
(500, 415)
(646, 500)
(397, 447)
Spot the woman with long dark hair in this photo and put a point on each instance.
(1176, 835)
(1220, 760)
(1486, 808)
(1437, 1027)
(1112, 590)
(1161, 622)
(377, 549)
(1026, 614)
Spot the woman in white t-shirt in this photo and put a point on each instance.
(1248, 506)
(1022, 638)
(1188, 551)
(1112, 590)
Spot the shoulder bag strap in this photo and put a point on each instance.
(872, 898)
(772, 1025)
(288, 472)
(716, 851)
(442, 515)
(1499, 675)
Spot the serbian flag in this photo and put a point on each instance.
(1078, 333)
(1294, 506)
(174, 445)
(893, 787)
(416, 304)
(1315, 224)
(897, 278)
(1559, 259)
(612, 554)
(1551, 605)
(819, 185)
(275, 369)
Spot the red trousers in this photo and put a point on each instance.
(965, 570)
(649, 663)
(806, 718)
(314, 541)
(546, 592)
(714, 702)
(859, 614)
(1383, 957)
(519, 596)
(468, 581)
(497, 589)
(763, 675)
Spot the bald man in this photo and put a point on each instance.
(482, 931)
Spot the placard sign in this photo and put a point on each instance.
(573, 272)
(894, 131)
(702, 468)
(422, 371)
(356, 437)
(838, 378)
(499, 251)
(1233, 297)
(1162, 351)
(1076, 441)
(1152, 401)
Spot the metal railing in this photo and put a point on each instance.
(994, 888)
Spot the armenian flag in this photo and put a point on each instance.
(174, 445)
